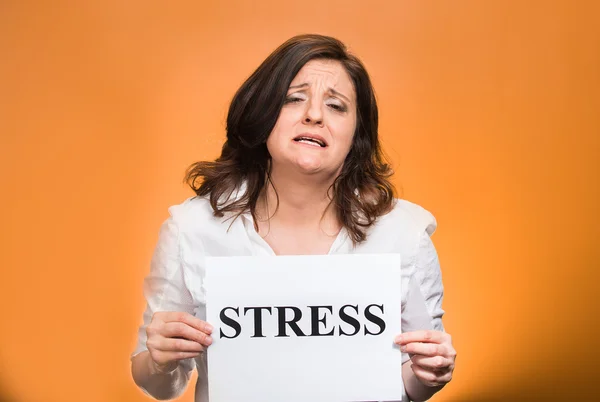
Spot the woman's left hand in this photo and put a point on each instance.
(431, 353)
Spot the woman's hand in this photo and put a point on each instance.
(432, 355)
(173, 336)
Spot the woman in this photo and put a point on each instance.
(301, 172)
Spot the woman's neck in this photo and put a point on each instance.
(299, 202)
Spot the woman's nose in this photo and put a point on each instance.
(314, 113)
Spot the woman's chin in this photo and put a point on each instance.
(309, 165)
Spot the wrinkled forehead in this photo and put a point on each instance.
(322, 74)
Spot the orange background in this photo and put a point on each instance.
(489, 112)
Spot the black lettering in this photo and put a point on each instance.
(314, 322)
(292, 323)
(374, 319)
(257, 320)
(349, 320)
(230, 322)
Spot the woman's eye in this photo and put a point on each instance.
(335, 106)
(293, 99)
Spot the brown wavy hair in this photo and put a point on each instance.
(362, 191)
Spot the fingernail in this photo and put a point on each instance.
(208, 340)
(209, 327)
(399, 339)
(403, 348)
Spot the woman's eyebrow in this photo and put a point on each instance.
(341, 95)
(333, 91)
(298, 86)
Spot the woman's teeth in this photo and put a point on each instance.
(309, 142)
(312, 141)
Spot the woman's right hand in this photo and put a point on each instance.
(173, 336)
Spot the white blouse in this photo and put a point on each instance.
(191, 233)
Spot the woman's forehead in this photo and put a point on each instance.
(324, 72)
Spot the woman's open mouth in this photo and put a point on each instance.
(311, 140)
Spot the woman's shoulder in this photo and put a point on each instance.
(407, 213)
(192, 212)
(400, 230)
(408, 218)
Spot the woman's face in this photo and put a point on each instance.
(315, 128)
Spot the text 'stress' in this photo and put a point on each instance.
(300, 328)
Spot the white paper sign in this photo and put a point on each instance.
(304, 328)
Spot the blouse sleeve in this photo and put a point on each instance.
(429, 277)
(164, 286)
(423, 308)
